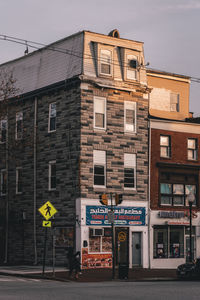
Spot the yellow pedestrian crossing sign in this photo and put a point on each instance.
(47, 210)
(46, 223)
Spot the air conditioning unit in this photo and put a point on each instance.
(96, 232)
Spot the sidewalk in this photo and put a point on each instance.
(92, 275)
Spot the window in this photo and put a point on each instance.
(52, 175)
(168, 241)
(18, 180)
(165, 146)
(3, 182)
(99, 112)
(105, 62)
(3, 130)
(100, 241)
(130, 116)
(176, 194)
(52, 117)
(130, 170)
(99, 158)
(192, 149)
(132, 65)
(174, 102)
(19, 125)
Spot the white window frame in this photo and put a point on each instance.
(168, 147)
(3, 171)
(50, 117)
(129, 69)
(99, 158)
(194, 150)
(4, 120)
(130, 162)
(99, 105)
(18, 169)
(130, 106)
(19, 117)
(53, 162)
(174, 102)
(103, 61)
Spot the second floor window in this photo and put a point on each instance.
(176, 194)
(19, 125)
(52, 117)
(165, 146)
(18, 180)
(3, 182)
(192, 149)
(130, 117)
(100, 112)
(3, 130)
(105, 62)
(99, 161)
(129, 170)
(52, 175)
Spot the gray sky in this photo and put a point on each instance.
(168, 28)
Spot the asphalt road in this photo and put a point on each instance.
(32, 289)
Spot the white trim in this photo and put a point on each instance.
(131, 106)
(50, 118)
(17, 180)
(99, 158)
(95, 110)
(19, 116)
(1, 121)
(175, 126)
(130, 161)
(52, 162)
(101, 61)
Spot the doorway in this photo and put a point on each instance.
(136, 249)
(122, 245)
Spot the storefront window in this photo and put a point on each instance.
(168, 241)
(100, 240)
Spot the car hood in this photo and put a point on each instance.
(187, 266)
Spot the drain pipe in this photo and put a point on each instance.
(35, 183)
(149, 198)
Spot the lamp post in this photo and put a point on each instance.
(191, 199)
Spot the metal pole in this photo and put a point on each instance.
(44, 253)
(190, 205)
(113, 239)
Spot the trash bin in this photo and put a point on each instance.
(123, 271)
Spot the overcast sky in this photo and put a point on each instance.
(168, 28)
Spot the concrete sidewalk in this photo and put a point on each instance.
(92, 275)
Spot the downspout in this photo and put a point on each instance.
(149, 193)
(35, 183)
(7, 194)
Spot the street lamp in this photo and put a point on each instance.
(191, 199)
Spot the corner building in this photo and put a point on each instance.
(83, 103)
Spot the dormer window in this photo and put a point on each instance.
(105, 62)
(131, 70)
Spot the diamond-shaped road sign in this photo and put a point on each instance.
(47, 210)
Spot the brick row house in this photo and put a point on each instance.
(89, 119)
(174, 171)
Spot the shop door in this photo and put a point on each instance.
(136, 249)
(122, 245)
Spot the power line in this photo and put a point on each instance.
(75, 53)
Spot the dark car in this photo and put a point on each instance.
(189, 270)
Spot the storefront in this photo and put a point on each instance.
(170, 238)
(94, 234)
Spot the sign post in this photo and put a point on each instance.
(47, 210)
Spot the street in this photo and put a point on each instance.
(28, 289)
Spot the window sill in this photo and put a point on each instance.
(130, 189)
(51, 131)
(99, 186)
(51, 190)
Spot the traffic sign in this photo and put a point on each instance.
(47, 210)
(46, 223)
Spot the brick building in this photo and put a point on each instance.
(174, 171)
(77, 128)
